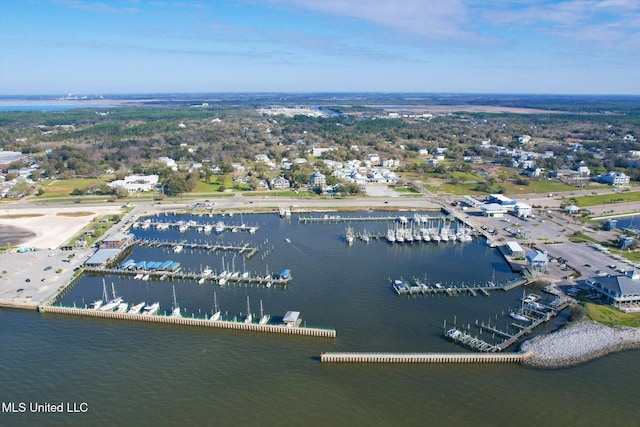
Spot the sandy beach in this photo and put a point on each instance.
(48, 228)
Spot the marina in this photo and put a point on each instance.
(190, 321)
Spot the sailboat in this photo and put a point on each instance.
(264, 318)
(249, 317)
(176, 307)
(113, 303)
(519, 315)
(216, 309)
(98, 303)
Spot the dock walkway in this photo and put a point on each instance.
(224, 324)
(423, 357)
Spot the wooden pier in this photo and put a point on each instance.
(381, 218)
(423, 357)
(186, 321)
(244, 249)
(266, 280)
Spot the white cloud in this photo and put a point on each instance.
(419, 17)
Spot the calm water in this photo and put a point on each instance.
(160, 374)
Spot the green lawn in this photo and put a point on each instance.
(611, 316)
(606, 199)
(64, 187)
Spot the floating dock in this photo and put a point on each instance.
(423, 357)
(186, 321)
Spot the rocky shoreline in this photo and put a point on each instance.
(578, 343)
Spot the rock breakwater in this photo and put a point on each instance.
(578, 343)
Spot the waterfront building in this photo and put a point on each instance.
(622, 291)
(494, 210)
(117, 240)
(515, 250)
(538, 261)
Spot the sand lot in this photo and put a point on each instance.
(51, 227)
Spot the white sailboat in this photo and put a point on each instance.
(249, 317)
(113, 303)
(264, 318)
(216, 310)
(519, 315)
(98, 303)
(176, 308)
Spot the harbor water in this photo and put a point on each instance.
(152, 373)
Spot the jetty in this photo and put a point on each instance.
(191, 321)
(423, 357)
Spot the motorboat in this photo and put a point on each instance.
(177, 249)
(151, 309)
(135, 309)
(122, 308)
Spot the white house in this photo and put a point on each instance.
(135, 183)
(169, 162)
(614, 178)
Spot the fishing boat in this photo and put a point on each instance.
(348, 235)
(135, 309)
(391, 236)
(216, 310)
(249, 317)
(176, 308)
(151, 308)
(264, 318)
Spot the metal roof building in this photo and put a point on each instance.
(622, 291)
(102, 256)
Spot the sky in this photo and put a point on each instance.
(443, 46)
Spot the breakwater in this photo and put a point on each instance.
(423, 357)
(186, 321)
(579, 343)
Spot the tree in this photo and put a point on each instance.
(176, 184)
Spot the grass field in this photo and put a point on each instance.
(611, 316)
(606, 199)
(64, 187)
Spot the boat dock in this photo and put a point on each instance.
(402, 287)
(246, 249)
(218, 227)
(380, 218)
(423, 357)
(190, 321)
(220, 279)
(535, 318)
